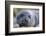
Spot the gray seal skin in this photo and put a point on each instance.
(27, 18)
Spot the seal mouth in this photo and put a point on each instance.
(24, 23)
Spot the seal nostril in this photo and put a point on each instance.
(29, 16)
(26, 21)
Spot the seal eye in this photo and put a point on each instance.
(21, 15)
(29, 16)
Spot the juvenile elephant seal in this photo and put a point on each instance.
(26, 18)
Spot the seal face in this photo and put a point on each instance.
(23, 18)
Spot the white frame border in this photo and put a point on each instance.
(28, 28)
